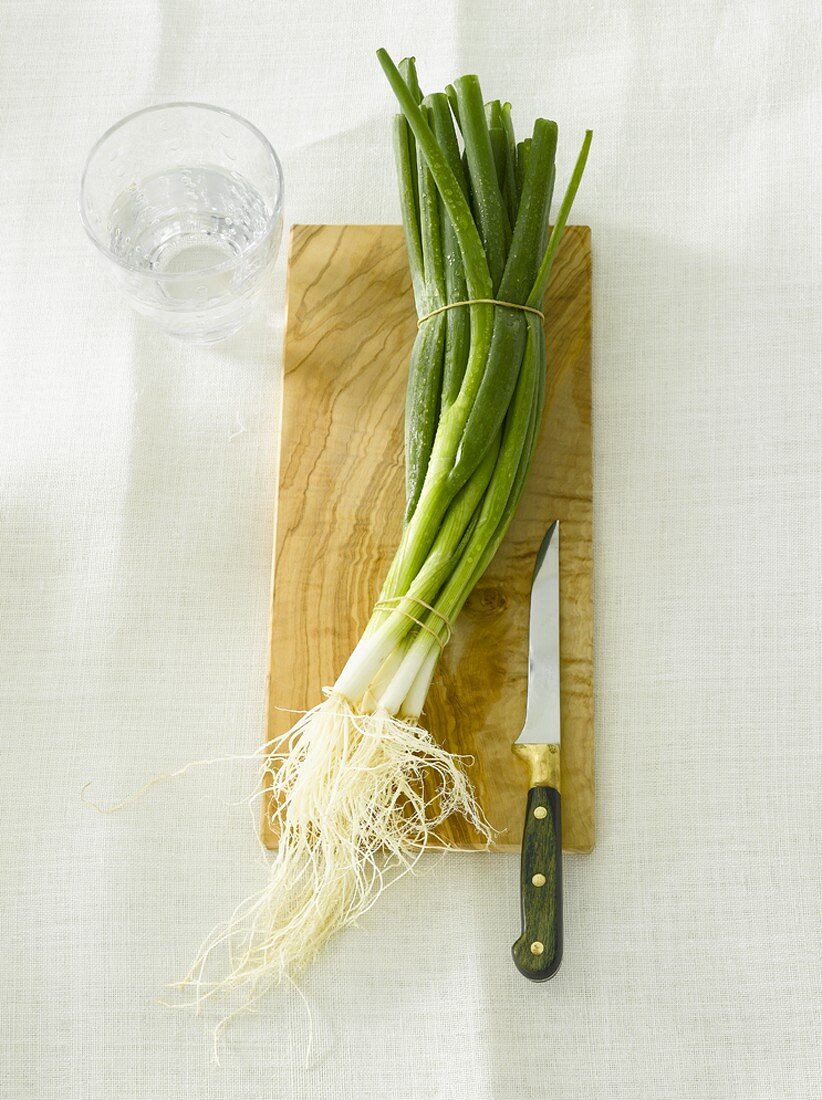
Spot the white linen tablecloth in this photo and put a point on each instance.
(138, 479)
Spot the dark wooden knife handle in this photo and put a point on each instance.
(538, 951)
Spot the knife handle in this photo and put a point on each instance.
(538, 951)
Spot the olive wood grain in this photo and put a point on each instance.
(350, 326)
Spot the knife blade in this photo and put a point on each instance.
(538, 951)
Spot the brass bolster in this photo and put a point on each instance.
(543, 764)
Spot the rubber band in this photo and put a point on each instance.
(390, 603)
(481, 302)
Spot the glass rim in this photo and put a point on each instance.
(223, 265)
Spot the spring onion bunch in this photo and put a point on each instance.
(358, 785)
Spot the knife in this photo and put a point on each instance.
(538, 951)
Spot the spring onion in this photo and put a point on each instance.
(358, 785)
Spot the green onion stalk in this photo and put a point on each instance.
(359, 786)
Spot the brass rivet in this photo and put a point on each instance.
(537, 948)
(540, 812)
(538, 880)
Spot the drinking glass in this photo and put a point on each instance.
(184, 203)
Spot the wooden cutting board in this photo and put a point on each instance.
(350, 327)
